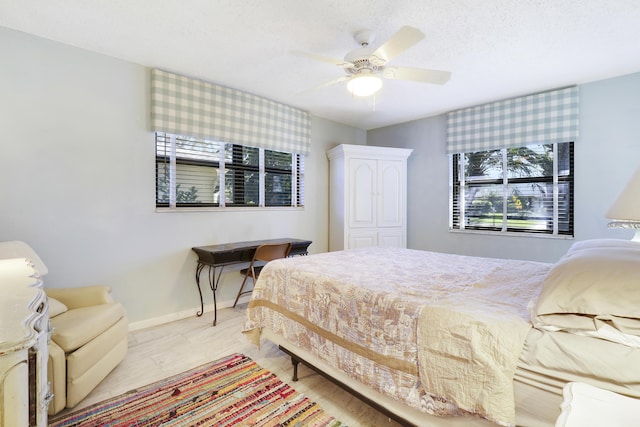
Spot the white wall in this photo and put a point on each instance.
(606, 155)
(77, 181)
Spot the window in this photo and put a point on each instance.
(191, 172)
(527, 189)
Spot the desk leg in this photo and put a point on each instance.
(198, 271)
(213, 284)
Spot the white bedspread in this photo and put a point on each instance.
(435, 331)
(469, 343)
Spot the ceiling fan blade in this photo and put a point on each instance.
(325, 84)
(417, 75)
(338, 62)
(402, 40)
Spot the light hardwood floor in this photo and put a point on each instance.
(161, 351)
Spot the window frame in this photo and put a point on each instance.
(172, 161)
(457, 186)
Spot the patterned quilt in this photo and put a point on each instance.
(438, 332)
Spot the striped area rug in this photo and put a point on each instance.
(230, 391)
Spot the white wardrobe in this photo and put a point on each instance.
(367, 196)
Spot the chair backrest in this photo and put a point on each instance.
(269, 252)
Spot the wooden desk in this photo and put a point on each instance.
(217, 256)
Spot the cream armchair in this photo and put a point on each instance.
(89, 340)
(89, 336)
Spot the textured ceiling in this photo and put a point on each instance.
(494, 48)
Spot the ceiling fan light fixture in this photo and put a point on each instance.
(364, 85)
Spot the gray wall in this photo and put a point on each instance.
(606, 155)
(77, 181)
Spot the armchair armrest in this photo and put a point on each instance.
(81, 297)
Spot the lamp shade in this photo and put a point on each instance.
(626, 208)
(364, 85)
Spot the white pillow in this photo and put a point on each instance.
(594, 279)
(593, 290)
(604, 243)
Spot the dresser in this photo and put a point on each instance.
(24, 334)
(367, 196)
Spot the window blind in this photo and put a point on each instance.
(542, 118)
(185, 106)
(527, 189)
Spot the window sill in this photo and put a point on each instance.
(513, 234)
(231, 209)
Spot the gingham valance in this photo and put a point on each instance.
(541, 118)
(189, 107)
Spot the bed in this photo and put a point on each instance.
(442, 339)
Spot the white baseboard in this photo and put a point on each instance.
(179, 315)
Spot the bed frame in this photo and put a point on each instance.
(404, 415)
(296, 360)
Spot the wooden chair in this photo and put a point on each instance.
(263, 254)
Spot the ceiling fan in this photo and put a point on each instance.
(364, 65)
